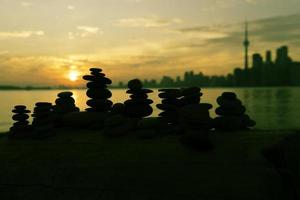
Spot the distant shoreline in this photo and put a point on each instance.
(14, 88)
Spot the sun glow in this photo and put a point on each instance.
(73, 76)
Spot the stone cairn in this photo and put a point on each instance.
(21, 127)
(190, 95)
(64, 104)
(169, 105)
(43, 119)
(138, 106)
(231, 113)
(197, 123)
(97, 91)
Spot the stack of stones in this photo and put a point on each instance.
(190, 95)
(65, 103)
(43, 119)
(196, 117)
(97, 91)
(231, 114)
(197, 123)
(169, 105)
(21, 126)
(139, 104)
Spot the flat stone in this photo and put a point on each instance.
(20, 107)
(171, 101)
(118, 108)
(97, 74)
(230, 111)
(228, 103)
(138, 102)
(96, 70)
(20, 111)
(166, 107)
(66, 94)
(139, 96)
(97, 79)
(44, 104)
(135, 84)
(173, 94)
(20, 117)
(99, 93)
(139, 92)
(65, 101)
(229, 123)
(229, 95)
(99, 103)
(95, 85)
(190, 91)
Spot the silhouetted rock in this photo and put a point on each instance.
(118, 108)
(231, 113)
(43, 119)
(169, 105)
(65, 103)
(21, 128)
(196, 117)
(138, 106)
(97, 91)
(190, 95)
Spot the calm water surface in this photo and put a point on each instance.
(272, 108)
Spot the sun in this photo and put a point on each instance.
(73, 76)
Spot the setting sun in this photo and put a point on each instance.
(73, 76)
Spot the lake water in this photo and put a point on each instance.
(271, 108)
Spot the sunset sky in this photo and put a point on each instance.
(52, 42)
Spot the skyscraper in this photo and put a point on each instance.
(246, 45)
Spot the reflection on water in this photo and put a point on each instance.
(272, 108)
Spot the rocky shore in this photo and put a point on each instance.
(84, 164)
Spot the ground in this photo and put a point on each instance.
(85, 165)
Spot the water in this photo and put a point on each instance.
(272, 108)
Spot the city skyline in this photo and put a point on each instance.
(55, 43)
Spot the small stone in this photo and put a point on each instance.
(135, 84)
(229, 95)
(99, 93)
(138, 111)
(139, 92)
(173, 94)
(190, 91)
(96, 85)
(230, 111)
(65, 94)
(99, 103)
(20, 111)
(138, 102)
(20, 117)
(96, 70)
(20, 107)
(65, 101)
(118, 108)
(43, 104)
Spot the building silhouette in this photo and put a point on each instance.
(282, 71)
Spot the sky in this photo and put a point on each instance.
(56, 42)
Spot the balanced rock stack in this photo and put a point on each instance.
(43, 119)
(97, 91)
(21, 126)
(139, 104)
(231, 114)
(169, 105)
(64, 104)
(197, 123)
(190, 95)
(196, 117)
